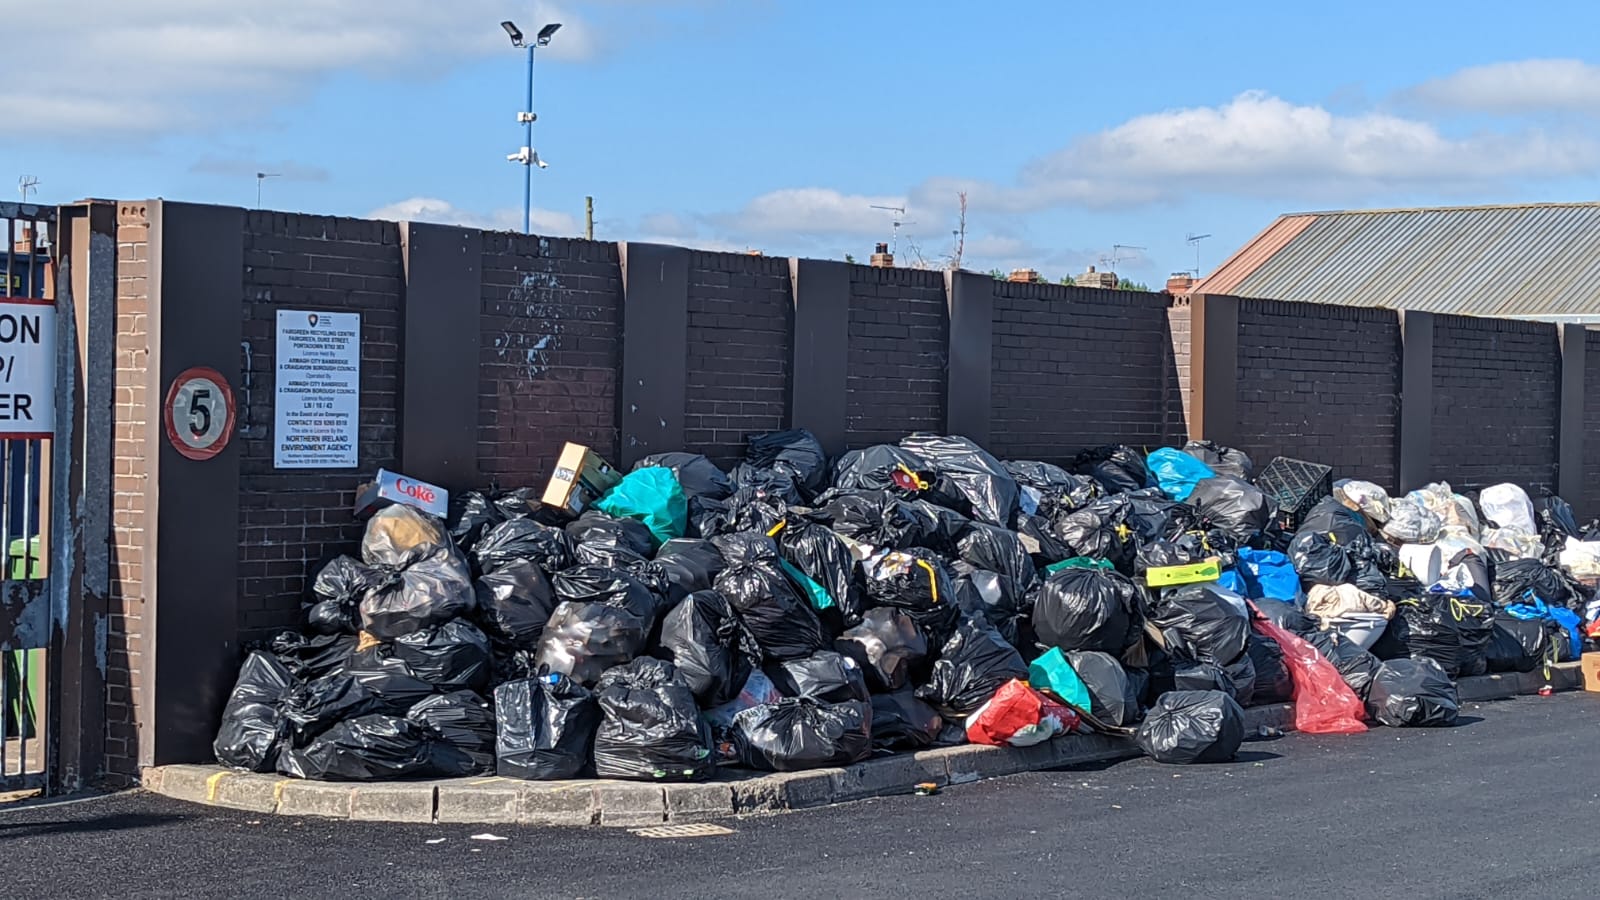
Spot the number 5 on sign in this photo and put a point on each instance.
(199, 413)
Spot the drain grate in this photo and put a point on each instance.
(682, 831)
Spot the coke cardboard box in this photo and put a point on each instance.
(392, 487)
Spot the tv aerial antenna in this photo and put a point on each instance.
(899, 219)
(1194, 240)
(27, 184)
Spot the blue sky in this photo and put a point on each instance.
(777, 124)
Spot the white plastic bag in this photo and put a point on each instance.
(1411, 523)
(1581, 558)
(1507, 506)
(1364, 497)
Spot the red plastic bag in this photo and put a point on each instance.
(1323, 703)
(1019, 716)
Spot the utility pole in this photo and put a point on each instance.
(527, 156)
(261, 177)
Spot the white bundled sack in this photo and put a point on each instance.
(1412, 523)
(1508, 506)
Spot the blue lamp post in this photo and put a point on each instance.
(527, 157)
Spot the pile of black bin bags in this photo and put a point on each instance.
(799, 612)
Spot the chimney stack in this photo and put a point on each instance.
(1179, 284)
(1091, 278)
(1024, 276)
(882, 258)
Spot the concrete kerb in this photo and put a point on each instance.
(625, 804)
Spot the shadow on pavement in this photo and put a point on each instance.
(119, 822)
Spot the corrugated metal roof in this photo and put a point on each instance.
(1530, 260)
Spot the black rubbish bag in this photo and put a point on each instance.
(825, 675)
(544, 728)
(253, 725)
(825, 559)
(998, 550)
(1118, 469)
(337, 593)
(980, 478)
(1525, 580)
(882, 467)
(1413, 693)
(1520, 645)
(307, 658)
(1154, 516)
(1557, 521)
(461, 719)
(1329, 515)
(650, 727)
(704, 638)
(1241, 675)
(1041, 476)
(697, 475)
(691, 565)
(1273, 684)
(1038, 537)
(1319, 560)
(753, 485)
(902, 722)
(799, 733)
(451, 657)
(372, 747)
(1452, 630)
(1087, 609)
(1232, 505)
(1189, 675)
(1100, 531)
(601, 540)
(1186, 550)
(1286, 616)
(1222, 460)
(1192, 727)
(707, 517)
(1113, 697)
(939, 527)
(471, 514)
(429, 591)
(1203, 622)
(972, 665)
(878, 519)
(523, 539)
(796, 453)
(1356, 666)
(776, 614)
(917, 581)
(383, 687)
(603, 620)
(997, 600)
(514, 603)
(887, 646)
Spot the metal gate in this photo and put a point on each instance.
(41, 473)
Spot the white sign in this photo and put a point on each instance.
(317, 410)
(27, 368)
(199, 413)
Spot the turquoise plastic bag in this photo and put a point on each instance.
(1051, 672)
(653, 496)
(819, 596)
(1176, 472)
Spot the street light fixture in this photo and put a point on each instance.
(527, 156)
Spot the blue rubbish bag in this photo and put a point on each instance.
(1176, 472)
(1263, 575)
(652, 496)
(1566, 618)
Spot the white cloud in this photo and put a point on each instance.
(94, 66)
(815, 210)
(1515, 87)
(1258, 144)
(432, 209)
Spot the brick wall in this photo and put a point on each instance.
(1496, 402)
(549, 349)
(1079, 367)
(1589, 504)
(290, 520)
(740, 322)
(1180, 393)
(125, 631)
(1320, 383)
(899, 332)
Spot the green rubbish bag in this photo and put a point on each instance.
(653, 496)
(1051, 672)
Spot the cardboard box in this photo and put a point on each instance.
(581, 477)
(392, 487)
(1590, 663)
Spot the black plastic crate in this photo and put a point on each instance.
(1294, 486)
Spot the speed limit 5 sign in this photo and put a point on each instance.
(199, 413)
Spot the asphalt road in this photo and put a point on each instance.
(1504, 805)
